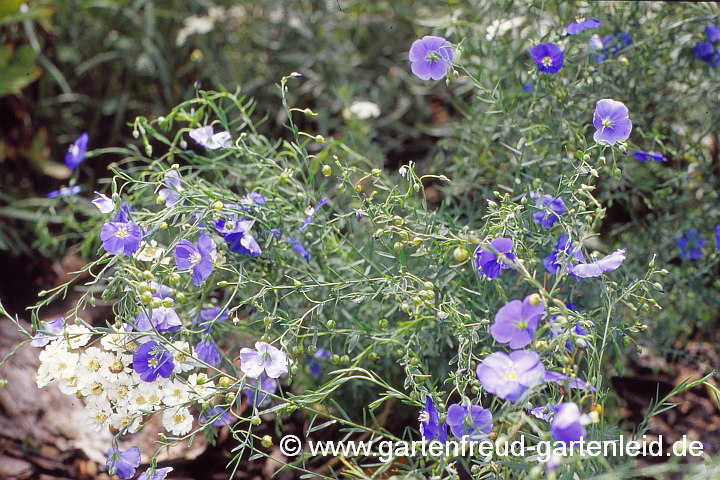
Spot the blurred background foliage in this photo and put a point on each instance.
(76, 66)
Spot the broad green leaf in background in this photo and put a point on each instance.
(18, 70)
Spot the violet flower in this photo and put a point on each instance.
(76, 153)
(582, 25)
(212, 141)
(430, 428)
(197, 257)
(264, 358)
(548, 57)
(103, 203)
(516, 322)
(469, 420)
(431, 57)
(611, 121)
(151, 360)
(487, 262)
(268, 386)
(53, 328)
(510, 376)
(568, 423)
(121, 237)
(123, 463)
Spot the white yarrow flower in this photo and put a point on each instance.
(177, 421)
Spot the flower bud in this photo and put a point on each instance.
(327, 170)
(167, 302)
(266, 441)
(224, 382)
(461, 254)
(535, 299)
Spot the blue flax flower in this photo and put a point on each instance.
(713, 33)
(564, 248)
(311, 212)
(104, 203)
(708, 54)
(207, 352)
(611, 45)
(207, 318)
(431, 57)
(123, 463)
(516, 322)
(543, 412)
(76, 153)
(510, 376)
(53, 328)
(163, 319)
(568, 423)
(244, 243)
(551, 207)
(691, 245)
(321, 353)
(263, 358)
(582, 25)
(430, 427)
(717, 238)
(156, 474)
(197, 257)
(171, 193)
(565, 381)
(611, 122)
(212, 141)
(253, 199)
(65, 192)
(151, 360)
(643, 156)
(298, 248)
(268, 386)
(548, 57)
(471, 420)
(488, 263)
(121, 236)
(598, 267)
(224, 417)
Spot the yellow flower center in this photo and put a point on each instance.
(122, 232)
(116, 367)
(547, 62)
(178, 419)
(607, 123)
(521, 324)
(153, 362)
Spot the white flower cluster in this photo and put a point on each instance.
(114, 393)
